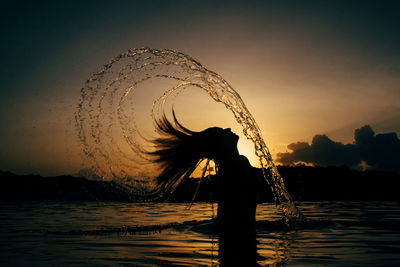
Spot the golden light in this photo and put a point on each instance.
(246, 148)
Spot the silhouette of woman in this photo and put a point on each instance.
(180, 150)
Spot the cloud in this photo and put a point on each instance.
(369, 150)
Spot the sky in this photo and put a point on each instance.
(303, 68)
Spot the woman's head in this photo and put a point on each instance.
(218, 143)
(179, 150)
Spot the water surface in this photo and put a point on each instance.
(162, 234)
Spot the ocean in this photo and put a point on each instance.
(171, 234)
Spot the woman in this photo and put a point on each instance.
(180, 150)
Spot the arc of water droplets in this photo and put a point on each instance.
(137, 66)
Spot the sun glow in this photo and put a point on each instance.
(246, 148)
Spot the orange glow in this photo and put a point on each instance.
(246, 148)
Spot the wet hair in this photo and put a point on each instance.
(179, 151)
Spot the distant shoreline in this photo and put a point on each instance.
(304, 183)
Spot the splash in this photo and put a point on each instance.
(115, 145)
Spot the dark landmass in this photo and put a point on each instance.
(306, 183)
(340, 183)
(65, 188)
(303, 183)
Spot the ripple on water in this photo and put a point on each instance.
(334, 235)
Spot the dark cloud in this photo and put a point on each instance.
(369, 150)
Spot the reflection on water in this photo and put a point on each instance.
(90, 233)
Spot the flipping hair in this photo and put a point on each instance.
(179, 151)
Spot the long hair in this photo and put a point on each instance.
(179, 151)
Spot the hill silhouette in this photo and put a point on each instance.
(304, 183)
(65, 188)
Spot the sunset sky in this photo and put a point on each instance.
(301, 67)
